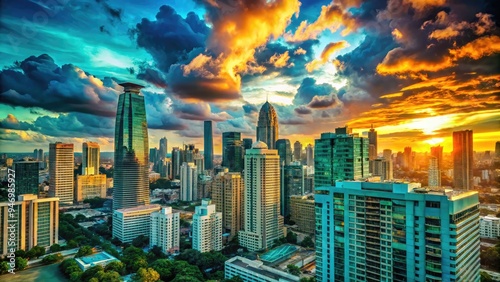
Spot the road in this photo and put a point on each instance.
(63, 253)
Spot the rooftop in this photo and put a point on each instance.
(139, 208)
(258, 268)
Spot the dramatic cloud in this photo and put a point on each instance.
(329, 50)
(309, 89)
(11, 122)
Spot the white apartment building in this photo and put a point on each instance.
(207, 228)
(189, 182)
(131, 222)
(165, 230)
(489, 226)
(61, 170)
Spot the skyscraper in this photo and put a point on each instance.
(162, 151)
(247, 143)
(297, 151)
(434, 173)
(131, 176)
(61, 170)
(408, 160)
(91, 154)
(228, 138)
(90, 186)
(26, 177)
(388, 154)
(234, 153)
(462, 159)
(309, 155)
(165, 230)
(189, 182)
(40, 155)
(284, 151)
(267, 126)
(375, 231)
(208, 144)
(437, 152)
(372, 141)
(35, 154)
(340, 156)
(292, 183)
(227, 195)
(207, 228)
(177, 161)
(497, 149)
(383, 168)
(262, 221)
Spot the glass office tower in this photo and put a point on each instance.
(131, 181)
(208, 143)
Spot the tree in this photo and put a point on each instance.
(4, 267)
(293, 269)
(35, 252)
(80, 218)
(107, 276)
(164, 267)
(116, 266)
(485, 277)
(71, 244)
(91, 273)
(95, 202)
(146, 275)
(305, 279)
(141, 241)
(183, 268)
(307, 242)
(138, 263)
(190, 255)
(291, 237)
(21, 263)
(134, 258)
(55, 248)
(50, 259)
(185, 278)
(84, 251)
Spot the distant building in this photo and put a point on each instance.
(297, 151)
(262, 197)
(229, 139)
(434, 173)
(189, 182)
(131, 222)
(497, 149)
(489, 226)
(90, 186)
(267, 125)
(207, 228)
(377, 231)
(227, 195)
(61, 170)
(247, 143)
(463, 159)
(387, 154)
(208, 144)
(234, 153)
(205, 183)
(177, 161)
(165, 230)
(437, 152)
(36, 223)
(255, 271)
(340, 156)
(302, 212)
(408, 159)
(131, 164)
(162, 151)
(27, 177)
(383, 168)
(292, 183)
(91, 154)
(309, 155)
(284, 151)
(373, 143)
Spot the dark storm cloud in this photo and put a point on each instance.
(321, 102)
(113, 13)
(303, 110)
(11, 122)
(41, 83)
(308, 89)
(170, 37)
(250, 108)
(75, 125)
(150, 74)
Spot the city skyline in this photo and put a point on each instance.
(417, 74)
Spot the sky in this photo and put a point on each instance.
(416, 70)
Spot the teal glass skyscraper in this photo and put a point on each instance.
(131, 182)
(208, 144)
(284, 151)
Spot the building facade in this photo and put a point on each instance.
(228, 139)
(27, 177)
(463, 159)
(284, 151)
(61, 170)
(189, 182)
(131, 222)
(382, 231)
(162, 151)
(255, 271)
(131, 166)
(383, 168)
(267, 126)
(165, 230)
(207, 228)
(434, 173)
(36, 222)
(489, 226)
(292, 183)
(297, 151)
(340, 156)
(208, 144)
(302, 212)
(227, 195)
(91, 155)
(262, 220)
(373, 143)
(90, 186)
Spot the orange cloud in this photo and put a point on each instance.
(326, 54)
(332, 17)
(280, 61)
(422, 5)
(481, 47)
(300, 51)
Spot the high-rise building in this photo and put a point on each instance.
(189, 182)
(255, 271)
(177, 161)
(408, 160)
(234, 153)
(302, 212)
(462, 159)
(208, 144)
(292, 183)
(437, 152)
(387, 154)
(90, 186)
(383, 168)
(204, 185)
(374, 231)
(339, 156)
(153, 157)
(26, 177)
(262, 220)
(434, 173)
(162, 151)
(228, 138)
(284, 151)
(61, 170)
(267, 125)
(35, 223)
(489, 226)
(207, 228)
(40, 155)
(131, 222)
(227, 195)
(309, 155)
(372, 141)
(131, 166)
(35, 154)
(165, 230)
(497, 149)
(297, 151)
(247, 143)
(91, 154)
